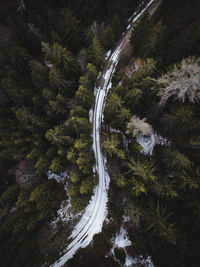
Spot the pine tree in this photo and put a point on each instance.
(165, 187)
(113, 109)
(97, 52)
(140, 35)
(75, 176)
(63, 60)
(138, 188)
(87, 186)
(109, 38)
(116, 26)
(111, 147)
(157, 221)
(58, 106)
(70, 29)
(43, 198)
(39, 74)
(178, 122)
(57, 165)
(144, 170)
(84, 97)
(84, 163)
(58, 82)
(176, 160)
(81, 125)
(92, 73)
(57, 135)
(120, 180)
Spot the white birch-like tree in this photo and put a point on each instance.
(182, 83)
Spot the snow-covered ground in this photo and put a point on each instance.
(65, 214)
(121, 240)
(60, 178)
(95, 213)
(149, 141)
(108, 54)
(90, 115)
(137, 261)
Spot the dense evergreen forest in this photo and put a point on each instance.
(162, 188)
(51, 54)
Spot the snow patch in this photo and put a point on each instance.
(149, 141)
(96, 91)
(95, 213)
(126, 218)
(48, 64)
(64, 214)
(21, 7)
(90, 115)
(138, 261)
(108, 220)
(108, 54)
(60, 178)
(121, 240)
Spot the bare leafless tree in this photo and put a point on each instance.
(137, 125)
(183, 82)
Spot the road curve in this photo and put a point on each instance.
(95, 213)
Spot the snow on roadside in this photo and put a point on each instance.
(64, 213)
(90, 115)
(95, 213)
(137, 17)
(107, 54)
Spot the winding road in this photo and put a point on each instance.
(92, 220)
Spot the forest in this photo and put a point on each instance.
(51, 55)
(162, 187)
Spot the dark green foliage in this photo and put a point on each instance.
(120, 255)
(111, 146)
(45, 98)
(44, 106)
(109, 38)
(97, 52)
(22, 213)
(160, 187)
(140, 36)
(116, 26)
(116, 115)
(177, 37)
